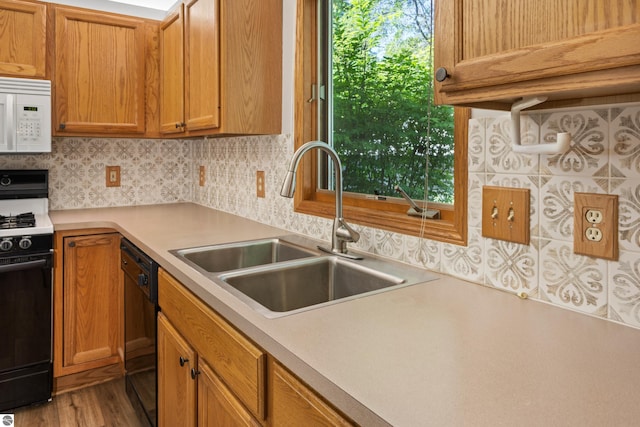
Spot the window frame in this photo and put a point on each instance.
(387, 214)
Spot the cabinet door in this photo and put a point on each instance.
(100, 73)
(93, 303)
(176, 387)
(496, 49)
(217, 406)
(23, 37)
(293, 404)
(202, 69)
(172, 73)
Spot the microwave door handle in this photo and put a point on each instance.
(10, 123)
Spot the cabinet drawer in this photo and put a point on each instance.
(238, 362)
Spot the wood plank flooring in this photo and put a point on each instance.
(102, 405)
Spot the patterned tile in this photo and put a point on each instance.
(628, 191)
(625, 141)
(476, 145)
(474, 195)
(423, 252)
(556, 203)
(512, 267)
(572, 281)
(588, 153)
(499, 156)
(624, 289)
(465, 262)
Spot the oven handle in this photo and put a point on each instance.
(23, 266)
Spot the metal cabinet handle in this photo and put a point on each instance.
(180, 125)
(194, 373)
(72, 244)
(442, 74)
(183, 361)
(62, 126)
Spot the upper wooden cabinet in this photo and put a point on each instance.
(172, 72)
(501, 50)
(99, 73)
(232, 75)
(23, 37)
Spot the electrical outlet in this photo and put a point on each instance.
(505, 214)
(113, 176)
(260, 191)
(201, 176)
(594, 216)
(595, 228)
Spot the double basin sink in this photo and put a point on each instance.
(278, 277)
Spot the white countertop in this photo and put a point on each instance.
(441, 353)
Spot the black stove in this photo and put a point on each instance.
(26, 256)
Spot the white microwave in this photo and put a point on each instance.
(25, 116)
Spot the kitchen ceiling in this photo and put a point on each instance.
(154, 9)
(151, 4)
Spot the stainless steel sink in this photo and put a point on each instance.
(277, 277)
(279, 290)
(233, 256)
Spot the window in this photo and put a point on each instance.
(363, 86)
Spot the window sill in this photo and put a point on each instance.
(449, 230)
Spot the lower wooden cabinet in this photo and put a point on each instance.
(189, 391)
(211, 375)
(208, 373)
(176, 388)
(292, 403)
(88, 306)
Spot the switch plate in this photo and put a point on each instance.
(505, 214)
(201, 176)
(113, 176)
(260, 191)
(595, 231)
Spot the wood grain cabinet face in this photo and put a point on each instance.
(292, 403)
(99, 73)
(176, 388)
(499, 50)
(232, 68)
(92, 304)
(23, 38)
(172, 73)
(230, 369)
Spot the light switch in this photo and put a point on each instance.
(505, 214)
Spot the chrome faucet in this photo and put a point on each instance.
(342, 232)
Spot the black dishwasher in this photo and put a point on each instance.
(141, 306)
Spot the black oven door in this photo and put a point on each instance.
(26, 373)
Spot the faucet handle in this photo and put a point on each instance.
(346, 232)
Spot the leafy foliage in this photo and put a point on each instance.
(382, 101)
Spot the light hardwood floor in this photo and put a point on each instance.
(97, 406)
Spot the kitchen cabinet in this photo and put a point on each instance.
(176, 388)
(189, 391)
(208, 373)
(172, 73)
(231, 82)
(292, 403)
(496, 51)
(23, 37)
(99, 73)
(88, 305)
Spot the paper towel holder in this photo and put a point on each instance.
(563, 139)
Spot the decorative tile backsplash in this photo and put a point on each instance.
(604, 157)
(152, 171)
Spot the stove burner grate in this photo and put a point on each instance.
(23, 220)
